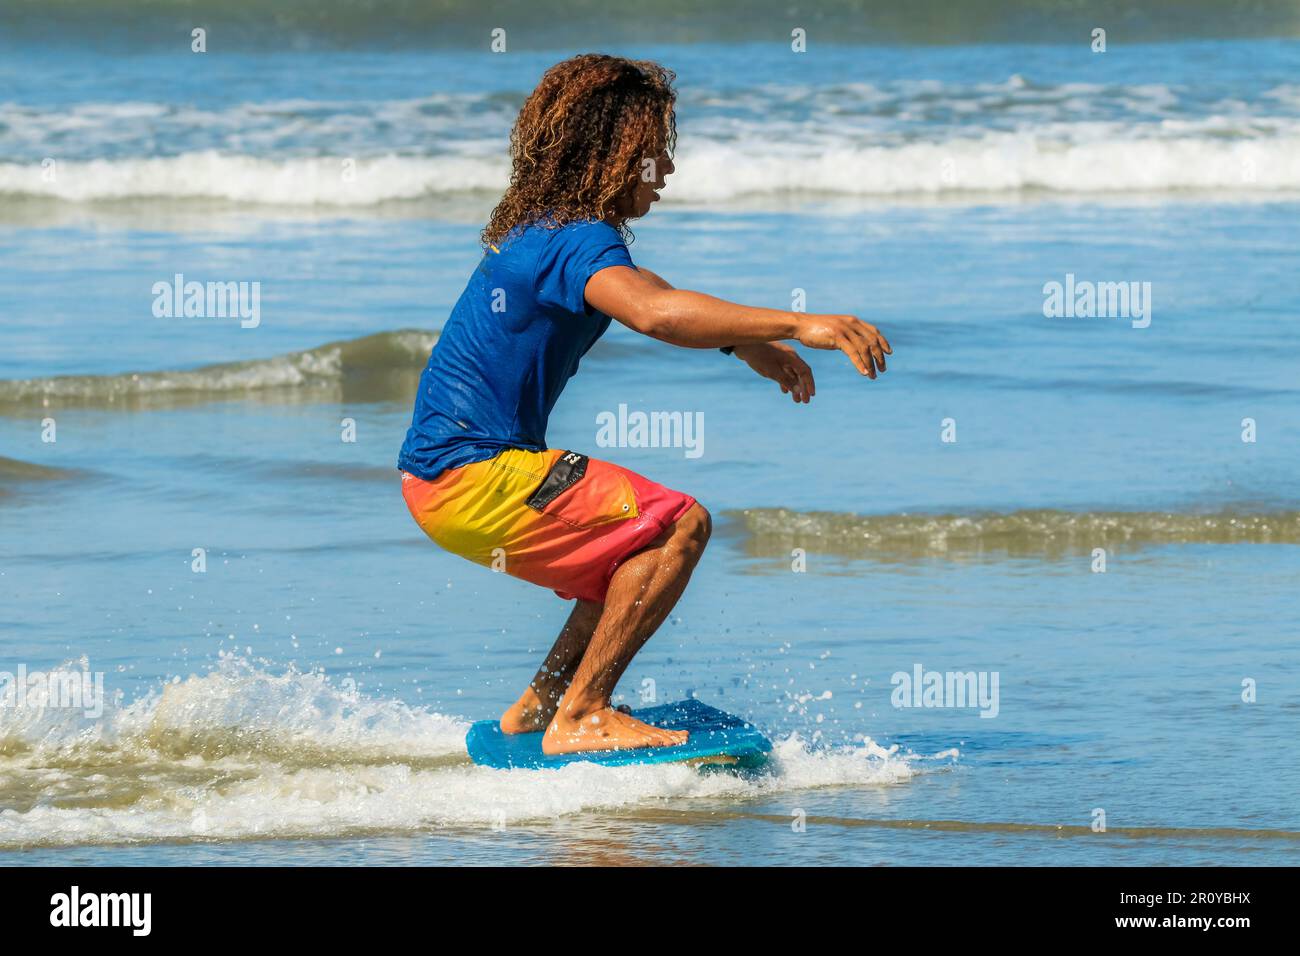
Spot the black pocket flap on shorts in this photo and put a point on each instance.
(564, 474)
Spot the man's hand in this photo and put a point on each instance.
(862, 343)
(782, 365)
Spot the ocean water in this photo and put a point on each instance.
(304, 696)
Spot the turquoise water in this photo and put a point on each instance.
(304, 699)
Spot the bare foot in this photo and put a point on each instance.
(528, 715)
(606, 729)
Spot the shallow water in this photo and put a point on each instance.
(304, 699)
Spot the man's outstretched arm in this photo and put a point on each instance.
(646, 303)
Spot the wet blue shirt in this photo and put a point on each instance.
(513, 340)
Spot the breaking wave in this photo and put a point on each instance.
(771, 532)
(991, 163)
(375, 367)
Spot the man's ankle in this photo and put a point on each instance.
(575, 708)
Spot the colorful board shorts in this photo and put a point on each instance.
(556, 518)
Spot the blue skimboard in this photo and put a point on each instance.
(717, 739)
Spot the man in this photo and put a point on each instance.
(591, 149)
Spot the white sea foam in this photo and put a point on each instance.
(265, 799)
(851, 139)
(997, 163)
(994, 162)
(302, 181)
(236, 708)
(240, 753)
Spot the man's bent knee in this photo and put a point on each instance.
(694, 528)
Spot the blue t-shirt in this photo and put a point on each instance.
(511, 343)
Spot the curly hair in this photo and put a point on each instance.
(578, 144)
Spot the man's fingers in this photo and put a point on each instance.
(878, 344)
(861, 357)
(852, 345)
(876, 338)
(879, 348)
(864, 362)
(806, 383)
(791, 383)
(872, 343)
(849, 347)
(797, 389)
(864, 346)
(884, 342)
